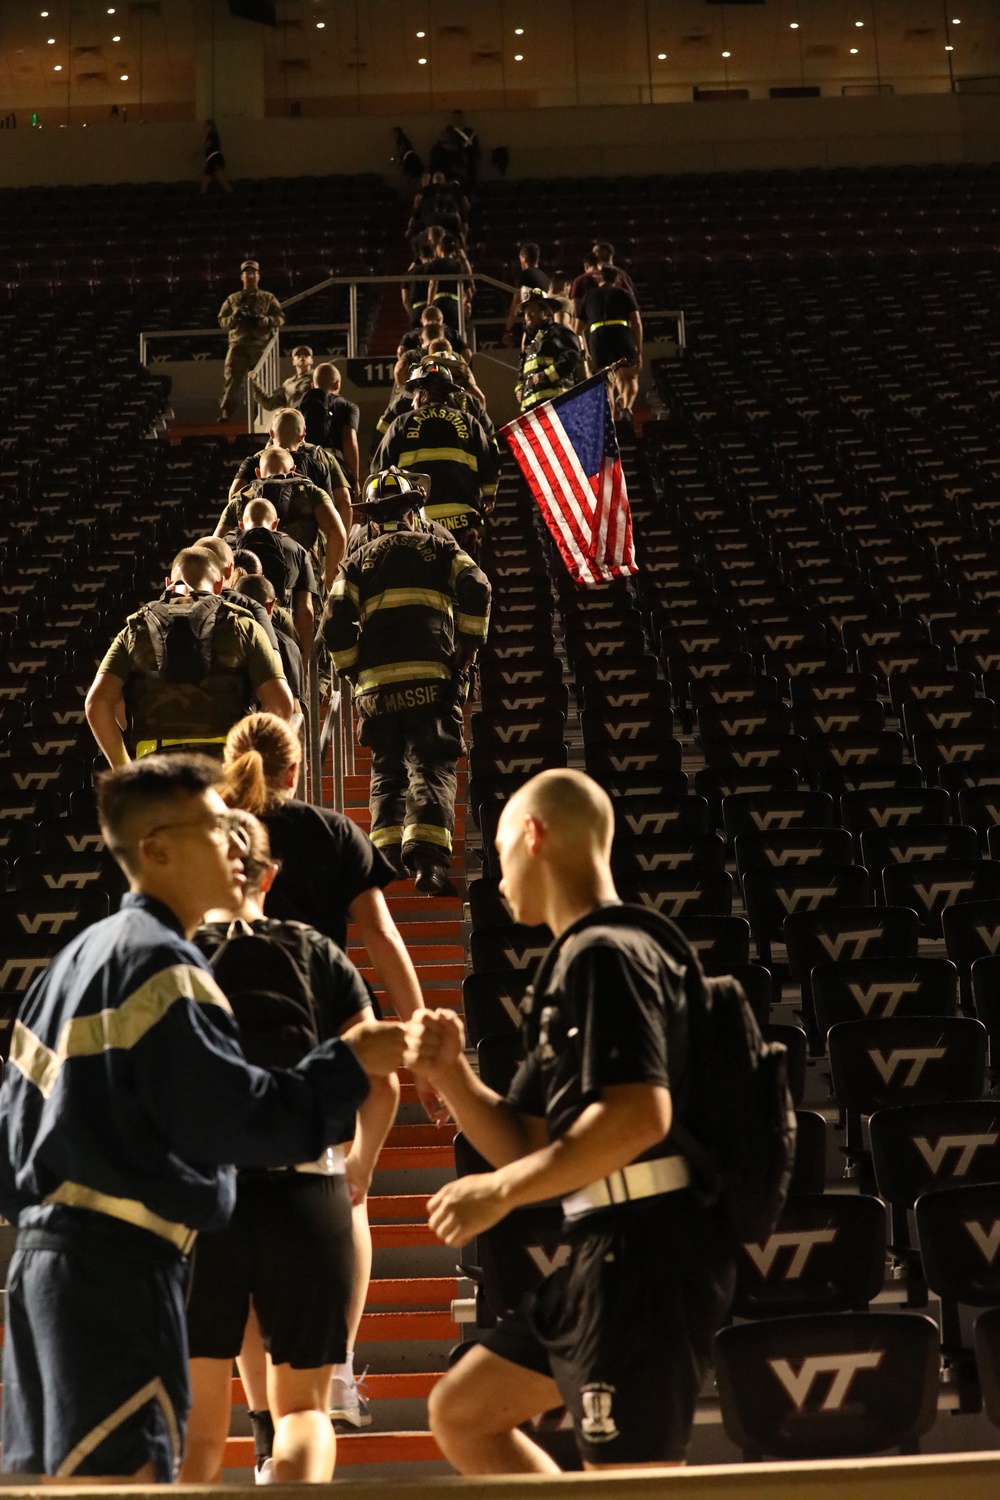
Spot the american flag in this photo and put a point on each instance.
(567, 451)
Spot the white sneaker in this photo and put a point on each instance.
(264, 1472)
(348, 1402)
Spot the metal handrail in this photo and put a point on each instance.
(265, 372)
(318, 736)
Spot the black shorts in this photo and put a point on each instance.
(289, 1248)
(95, 1377)
(610, 344)
(625, 1328)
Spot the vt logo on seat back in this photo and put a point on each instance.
(778, 819)
(966, 1146)
(843, 1368)
(930, 894)
(848, 944)
(866, 996)
(802, 1243)
(805, 898)
(986, 1241)
(22, 971)
(888, 1063)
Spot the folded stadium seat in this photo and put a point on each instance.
(715, 784)
(776, 811)
(955, 715)
(882, 1398)
(979, 807)
(794, 848)
(803, 662)
(512, 1258)
(837, 717)
(491, 1003)
(879, 1064)
(955, 1235)
(508, 949)
(498, 1058)
(826, 1254)
(757, 753)
(676, 893)
(961, 749)
(878, 988)
(697, 664)
(735, 691)
(843, 933)
(868, 779)
(914, 843)
(760, 721)
(655, 854)
(971, 932)
(888, 808)
(772, 895)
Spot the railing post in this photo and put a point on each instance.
(352, 332)
(314, 753)
(348, 699)
(142, 349)
(265, 373)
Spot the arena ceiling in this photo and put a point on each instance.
(86, 57)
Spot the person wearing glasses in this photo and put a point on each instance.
(126, 1099)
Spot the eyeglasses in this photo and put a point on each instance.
(223, 827)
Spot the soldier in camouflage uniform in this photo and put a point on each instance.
(250, 318)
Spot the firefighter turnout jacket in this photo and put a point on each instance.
(552, 361)
(449, 445)
(408, 610)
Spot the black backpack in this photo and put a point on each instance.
(263, 970)
(264, 544)
(738, 1136)
(180, 629)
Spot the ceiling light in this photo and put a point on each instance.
(662, 56)
(57, 68)
(853, 50)
(124, 78)
(421, 33)
(320, 25)
(519, 31)
(43, 13)
(421, 60)
(116, 38)
(519, 57)
(52, 41)
(859, 23)
(955, 21)
(793, 25)
(949, 47)
(727, 54)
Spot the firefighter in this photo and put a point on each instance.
(552, 355)
(403, 623)
(445, 441)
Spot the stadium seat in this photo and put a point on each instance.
(826, 1254)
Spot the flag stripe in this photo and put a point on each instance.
(587, 514)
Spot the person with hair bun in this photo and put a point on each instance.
(288, 1250)
(331, 873)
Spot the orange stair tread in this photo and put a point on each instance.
(389, 1206)
(411, 1291)
(396, 1158)
(402, 1236)
(421, 1135)
(406, 1387)
(353, 1448)
(381, 1327)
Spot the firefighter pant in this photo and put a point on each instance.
(414, 780)
(240, 360)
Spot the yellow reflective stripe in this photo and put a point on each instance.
(473, 625)
(489, 489)
(344, 589)
(399, 598)
(76, 1195)
(437, 455)
(426, 833)
(460, 564)
(610, 323)
(417, 671)
(383, 837)
(344, 660)
(120, 1028)
(39, 1064)
(150, 747)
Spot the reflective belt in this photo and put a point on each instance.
(643, 1179)
(150, 747)
(610, 323)
(129, 1210)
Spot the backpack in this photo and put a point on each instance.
(263, 971)
(739, 1132)
(180, 631)
(265, 546)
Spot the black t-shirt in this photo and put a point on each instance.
(613, 1012)
(327, 862)
(338, 991)
(286, 564)
(607, 303)
(531, 279)
(327, 417)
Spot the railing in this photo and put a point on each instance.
(320, 735)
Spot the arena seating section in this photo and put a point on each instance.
(793, 707)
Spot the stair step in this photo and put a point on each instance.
(422, 932)
(420, 1135)
(411, 1387)
(389, 1207)
(353, 1448)
(427, 972)
(415, 1158)
(400, 1236)
(403, 901)
(412, 1291)
(406, 1327)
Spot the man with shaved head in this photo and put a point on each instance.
(305, 511)
(622, 1333)
(331, 420)
(284, 562)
